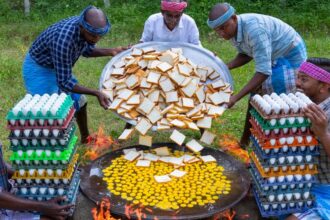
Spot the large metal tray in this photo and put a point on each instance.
(95, 188)
(198, 55)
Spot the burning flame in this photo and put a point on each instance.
(98, 143)
(102, 211)
(230, 144)
(227, 214)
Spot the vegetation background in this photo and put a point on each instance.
(309, 17)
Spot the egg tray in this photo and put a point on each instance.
(279, 132)
(61, 113)
(47, 147)
(42, 134)
(294, 183)
(274, 212)
(280, 172)
(43, 143)
(60, 182)
(65, 155)
(57, 190)
(273, 115)
(67, 174)
(42, 123)
(277, 143)
(279, 152)
(265, 123)
(267, 162)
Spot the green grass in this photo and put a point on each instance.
(16, 37)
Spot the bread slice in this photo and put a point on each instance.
(143, 163)
(126, 151)
(190, 89)
(202, 72)
(207, 137)
(205, 122)
(153, 77)
(136, 52)
(118, 72)
(119, 64)
(148, 50)
(116, 103)
(126, 94)
(149, 57)
(154, 116)
(166, 85)
(187, 158)
(184, 69)
(150, 156)
(177, 137)
(143, 126)
(164, 67)
(145, 140)
(208, 158)
(192, 126)
(214, 75)
(108, 84)
(176, 77)
(165, 159)
(162, 179)
(132, 81)
(146, 106)
(216, 110)
(143, 64)
(162, 151)
(187, 102)
(168, 108)
(218, 84)
(132, 155)
(126, 134)
(177, 50)
(178, 123)
(108, 93)
(194, 146)
(154, 95)
(178, 173)
(153, 64)
(176, 161)
(134, 100)
(172, 97)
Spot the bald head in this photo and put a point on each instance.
(217, 11)
(96, 18)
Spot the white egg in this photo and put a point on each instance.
(290, 140)
(21, 172)
(22, 122)
(58, 153)
(41, 172)
(20, 153)
(302, 166)
(48, 153)
(291, 120)
(38, 181)
(309, 202)
(283, 205)
(311, 166)
(24, 191)
(293, 167)
(39, 152)
(62, 142)
(282, 140)
(27, 132)
(309, 185)
(28, 180)
(50, 121)
(17, 132)
(27, 162)
(284, 168)
(280, 197)
(271, 198)
(274, 187)
(31, 172)
(303, 129)
(284, 186)
(280, 179)
(276, 130)
(34, 142)
(300, 120)
(298, 177)
(311, 148)
(276, 150)
(59, 172)
(56, 181)
(47, 181)
(55, 162)
(294, 130)
(309, 138)
(45, 132)
(272, 122)
(281, 160)
(290, 159)
(308, 177)
(56, 132)
(19, 180)
(267, 132)
(266, 188)
(272, 160)
(299, 158)
(65, 181)
(60, 191)
(33, 190)
(43, 142)
(266, 206)
(300, 204)
(285, 148)
(41, 122)
(53, 142)
(45, 162)
(51, 191)
(30, 152)
(294, 149)
(302, 148)
(272, 142)
(267, 151)
(306, 195)
(266, 169)
(292, 204)
(50, 172)
(282, 121)
(274, 206)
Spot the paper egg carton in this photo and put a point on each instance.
(279, 132)
(47, 173)
(43, 142)
(276, 171)
(279, 106)
(284, 150)
(45, 190)
(292, 141)
(297, 181)
(268, 209)
(42, 123)
(291, 122)
(41, 107)
(38, 146)
(44, 133)
(279, 196)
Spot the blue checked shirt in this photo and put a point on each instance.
(59, 47)
(264, 38)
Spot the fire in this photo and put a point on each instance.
(230, 144)
(98, 143)
(138, 211)
(102, 211)
(227, 214)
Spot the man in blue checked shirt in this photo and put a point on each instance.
(48, 65)
(276, 48)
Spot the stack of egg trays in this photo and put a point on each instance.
(41, 137)
(59, 119)
(282, 176)
(47, 158)
(43, 192)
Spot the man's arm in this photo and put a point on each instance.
(240, 60)
(102, 98)
(254, 83)
(319, 125)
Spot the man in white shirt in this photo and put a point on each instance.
(171, 25)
